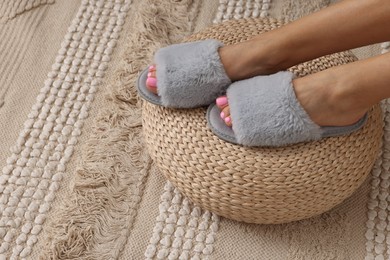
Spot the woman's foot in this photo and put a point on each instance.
(305, 39)
(328, 97)
(151, 82)
(258, 56)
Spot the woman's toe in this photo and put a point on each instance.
(225, 111)
(152, 74)
(221, 102)
(225, 115)
(228, 121)
(151, 85)
(151, 81)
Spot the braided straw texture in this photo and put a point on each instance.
(259, 185)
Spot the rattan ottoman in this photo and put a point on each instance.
(259, 185)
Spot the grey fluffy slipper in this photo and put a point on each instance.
(188, 75)
(266, 112)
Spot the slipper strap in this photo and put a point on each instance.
(266, 112)
(190, 74)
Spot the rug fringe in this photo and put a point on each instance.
(96, 222)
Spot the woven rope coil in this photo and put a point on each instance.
(259, 185)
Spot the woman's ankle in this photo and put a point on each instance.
(328, 99)
(258, 56)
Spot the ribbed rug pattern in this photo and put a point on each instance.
(115, 173)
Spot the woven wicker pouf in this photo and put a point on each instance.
(259, 185)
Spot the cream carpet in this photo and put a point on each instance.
(77, 182)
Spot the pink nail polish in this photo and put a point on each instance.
(149, 74)
(152, 67)
(221, 101)
(222, 115)
(228, 119)
(152, 82)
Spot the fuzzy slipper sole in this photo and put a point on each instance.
(226, 133)
(266, 112)
(189, 75)
(144, 92)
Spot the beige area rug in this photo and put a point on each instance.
(77, 182)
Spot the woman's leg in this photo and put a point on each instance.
(340, 95)
(345, 25)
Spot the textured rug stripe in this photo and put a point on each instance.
(96, 221)
(378, 217)
(38, 160)
(11, 8)
(182, 230)
(378, 226)
(16, 36)
(238, 9)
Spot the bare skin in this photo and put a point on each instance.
(337, 96)
(341, 95)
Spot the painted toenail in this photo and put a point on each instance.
(221, 101)
(152, 82)
(152, 67)
(149, 74)
(222, 115)
(227, 120)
